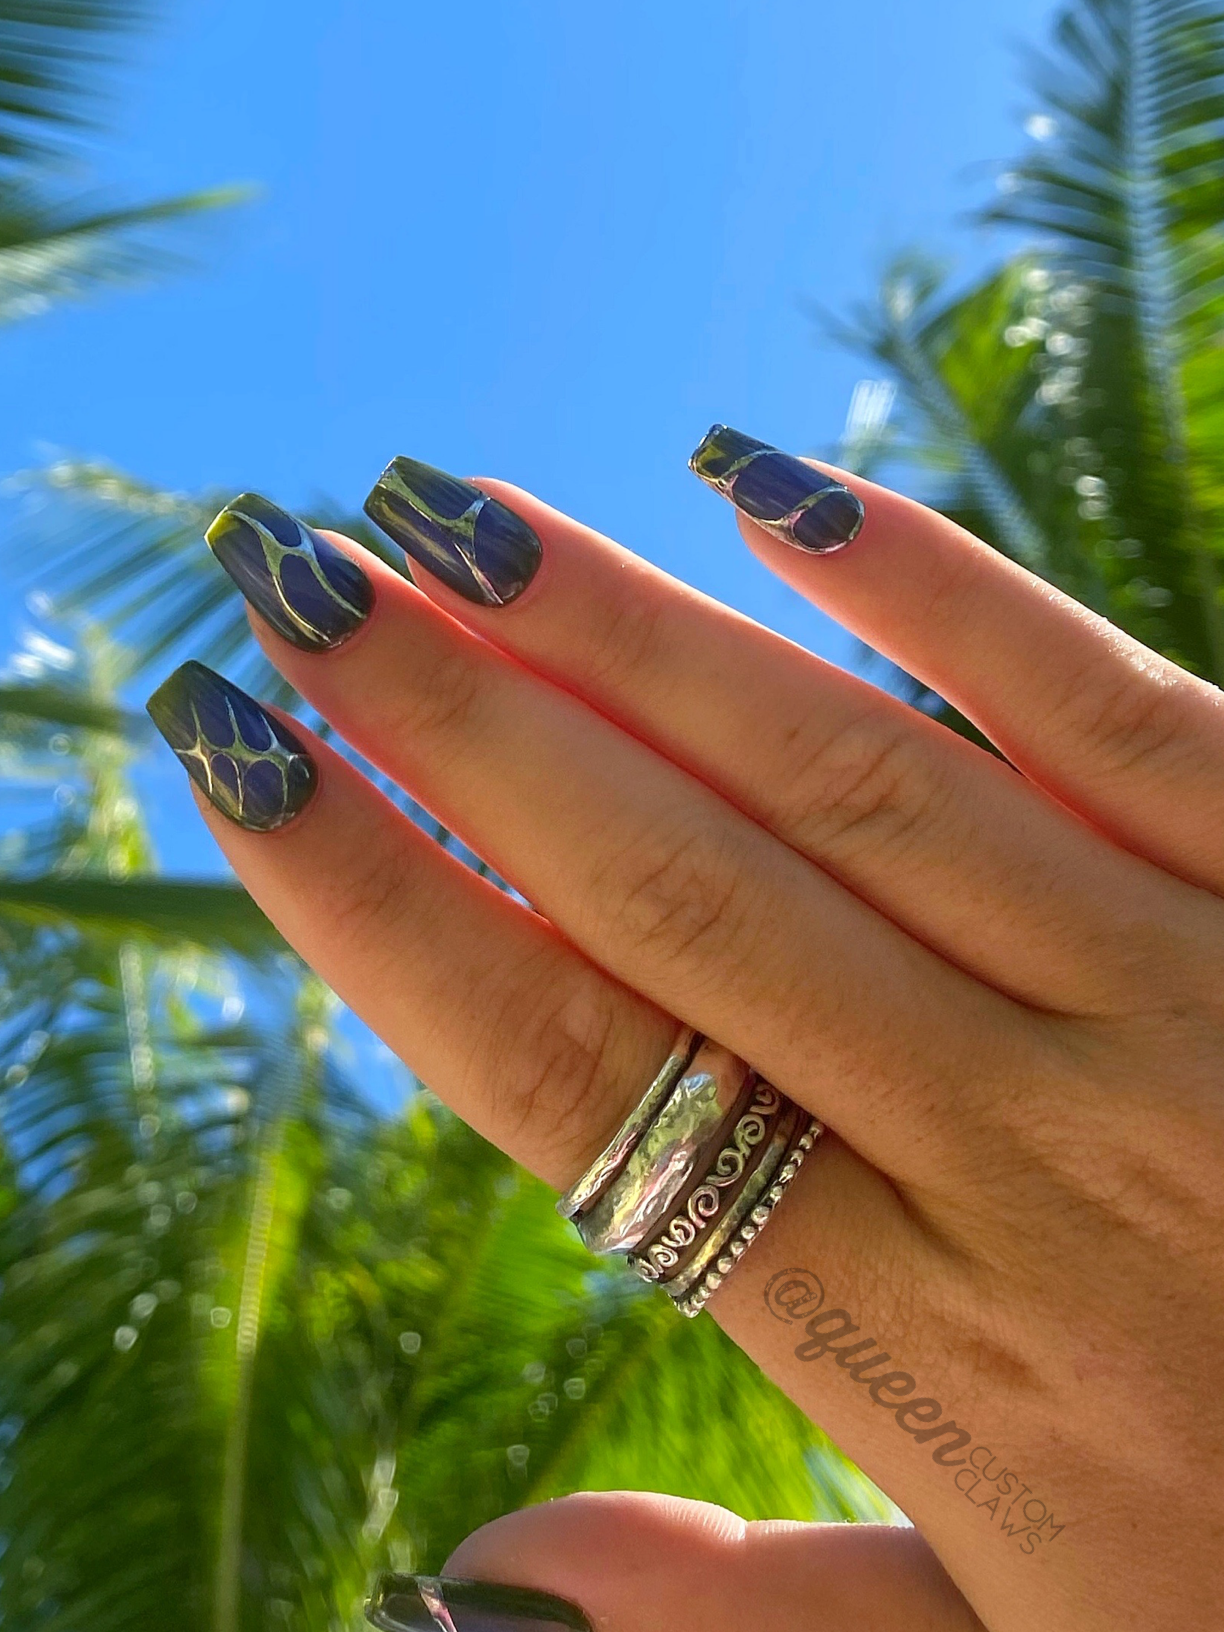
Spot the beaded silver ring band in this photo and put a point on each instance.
(751, 1226)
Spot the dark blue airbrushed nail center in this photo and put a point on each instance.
(312, 593)
(770, 486)
(471, 542)
(252, 767)
(788, 497)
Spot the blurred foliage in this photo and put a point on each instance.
(260, 1339)
(56, 244)
(1070, 405)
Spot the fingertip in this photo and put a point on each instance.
(630, 1560)
(623, 1556)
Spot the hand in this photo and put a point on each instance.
(1000, 1283)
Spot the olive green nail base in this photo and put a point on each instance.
(245, 761)
(433, 1603)
(781, 494)
(313, 594)
(473, 543)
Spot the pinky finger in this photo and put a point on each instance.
(532, 1045)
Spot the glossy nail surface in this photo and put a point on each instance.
(309, 591)
(468, 540)
(780, 493)
(431, 1603)
(253, 769)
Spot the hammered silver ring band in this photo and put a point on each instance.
(694, 1172)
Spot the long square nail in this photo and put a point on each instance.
(431, 1603)
(783, 495)
(248, 763)
(309, 591)
(473, 543)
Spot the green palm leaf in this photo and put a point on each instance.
(219, 916)
(135, 556)
(57, 248)
(282, 1342)
(50, 253)
(1129, 195)
(71, 707)
(49, 56)
(1084, 375)
(907, 332)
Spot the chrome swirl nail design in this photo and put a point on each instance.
(251, 766)
(473, 543)
(309, 591)
(431, 1603)
(781, 494)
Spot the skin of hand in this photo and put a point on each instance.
(999, 1281)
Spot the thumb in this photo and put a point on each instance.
(625, 1562)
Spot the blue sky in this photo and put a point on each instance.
(543, 240)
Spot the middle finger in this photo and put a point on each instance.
(665, 884)
(942, 837)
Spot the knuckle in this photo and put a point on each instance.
(1133, 719)
(443, 697)
(869, 785)
(954, 588)
(373, 903)
(568, 1045)
(625, 640)
(678, 895)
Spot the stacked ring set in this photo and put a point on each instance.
(694, 1173)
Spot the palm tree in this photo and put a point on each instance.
(260, 1340)
(56, 245)
(223, 1272)
(1071, 401)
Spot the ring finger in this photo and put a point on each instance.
(451, 972)
(532, 1044)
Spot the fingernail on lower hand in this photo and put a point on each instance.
(250, 765)
(474, 544)
(781, 494)
(309, 591)
(431, 1603)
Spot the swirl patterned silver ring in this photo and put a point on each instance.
(704, 1204)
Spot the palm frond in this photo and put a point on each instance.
(134, 555)
(221, 917)
(63, 252)
(283, 1343)
(116, 548)
(1085, 374)
(908, 332)
(50, 53)
(1127, 192)
(73, 708)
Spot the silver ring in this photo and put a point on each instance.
(661, 1257)
(613, 1157)
(687, 1124)
(752, 1219)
